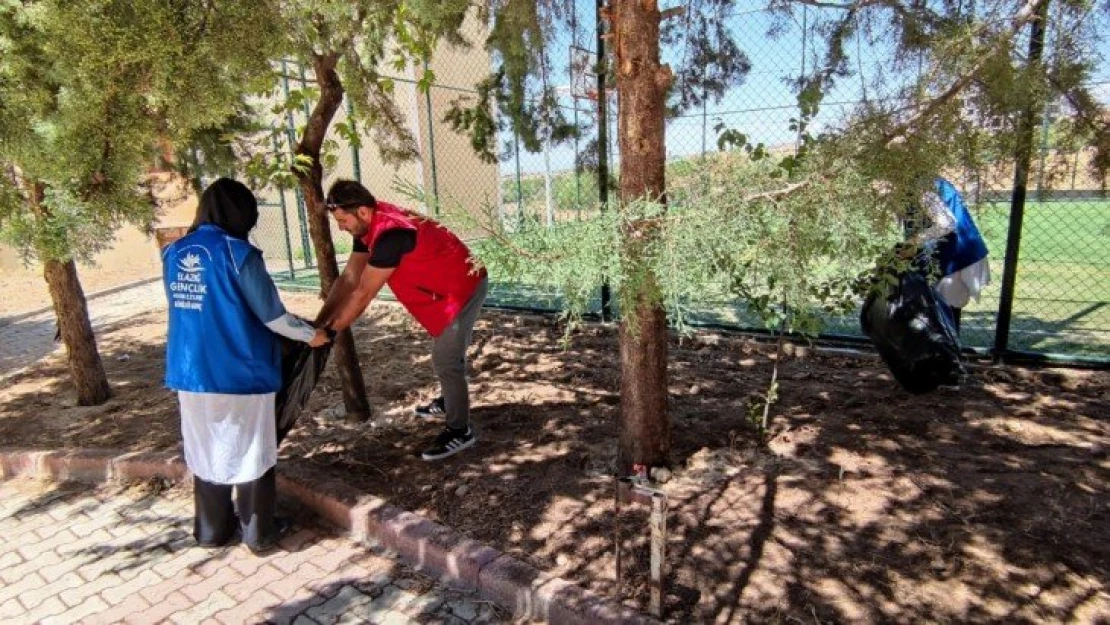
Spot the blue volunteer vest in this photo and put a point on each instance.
(963, 247)
(215, 343)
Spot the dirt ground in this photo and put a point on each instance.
(991, 503)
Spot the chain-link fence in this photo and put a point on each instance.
(1059, 305)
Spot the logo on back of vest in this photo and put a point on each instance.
(189, 289)
(190, 263)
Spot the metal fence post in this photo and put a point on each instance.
(291, 134)
(574, 103)
(704, 112)
(1043, 153)
(802, 72)
(519, 184)
(309, 257)
(356, 160)
(577, 171)
(549, 201)
(285, 223)
(432, 144)
(1022, 158)
(602, 144)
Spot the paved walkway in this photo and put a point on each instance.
(73, 554)
(82, 554)
(27, 337)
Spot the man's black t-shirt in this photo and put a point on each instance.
(389, 248)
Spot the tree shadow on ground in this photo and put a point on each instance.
(868, 504)
(1085, 332)
(24, 343)
(871, 504)
(91, 515)
(60, 494)
(395, 595)
(137, 535)
(911, 508)
(39, 405)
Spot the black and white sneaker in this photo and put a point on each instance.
(436, 408)
(449, 443)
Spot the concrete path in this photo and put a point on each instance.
(75, 554)
(27, 337)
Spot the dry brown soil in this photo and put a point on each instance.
(991, 503)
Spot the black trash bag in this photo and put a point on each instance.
(914, 332)
(301, 367)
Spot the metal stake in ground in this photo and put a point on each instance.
(617, 531)
(633, 490)
(658, 523)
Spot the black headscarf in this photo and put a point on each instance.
(230, 205)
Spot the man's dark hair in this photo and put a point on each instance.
(349, 195)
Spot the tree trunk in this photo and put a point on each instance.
(645, 436)
(72, 314)
(312, 186)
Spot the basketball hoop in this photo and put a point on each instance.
(583, 79)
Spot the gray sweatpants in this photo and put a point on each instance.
(449, 359)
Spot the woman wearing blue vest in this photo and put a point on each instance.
(958, 248)
(223, 358)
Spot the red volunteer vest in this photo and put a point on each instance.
(436, 279)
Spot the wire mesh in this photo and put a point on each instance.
(1063, 285)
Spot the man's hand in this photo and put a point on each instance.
(371, 281)
(320, 339)
(342, 290)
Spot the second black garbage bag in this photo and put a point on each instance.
(914, 333)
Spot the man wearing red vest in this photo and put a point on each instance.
(431, 273)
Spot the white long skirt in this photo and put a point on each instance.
(961, 287)
(229, 439)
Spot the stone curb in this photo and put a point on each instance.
(433, 548)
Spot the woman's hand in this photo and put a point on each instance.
(320, 339)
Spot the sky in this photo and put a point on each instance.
(761, 107)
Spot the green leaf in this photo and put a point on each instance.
(731, 140)
(427, 79)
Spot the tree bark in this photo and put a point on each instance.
(645, 436)
(312, 185)
(72, 314)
